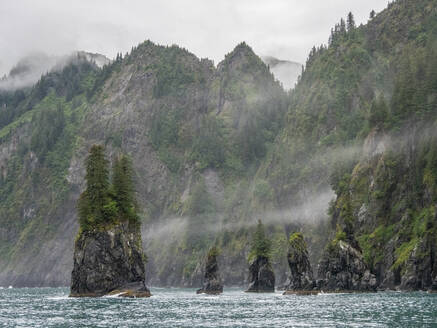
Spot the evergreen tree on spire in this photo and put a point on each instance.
(123, 187)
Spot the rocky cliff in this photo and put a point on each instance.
(301, 273)
(393, 220)
(216, 147)
(342, 268)
(109, 261)
(261, 276)
(212, 281)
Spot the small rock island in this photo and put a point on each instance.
(108, 255)
(212, 283)
(261, 275)
(301, 281)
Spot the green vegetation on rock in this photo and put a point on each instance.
(102, 204)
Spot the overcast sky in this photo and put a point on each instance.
(283, 28)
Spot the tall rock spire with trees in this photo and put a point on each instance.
(108, 255)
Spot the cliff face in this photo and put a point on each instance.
(187, 126)
(342, 268)
(301, 272)
(215, 148)
(109, 260)
(212, 281)
(261, 276)
(388, 205)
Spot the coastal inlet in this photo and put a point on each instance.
(51, 307)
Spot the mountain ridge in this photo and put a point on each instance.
(217, 148)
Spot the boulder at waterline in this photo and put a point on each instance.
(212, 283)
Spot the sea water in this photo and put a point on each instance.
(175, 307)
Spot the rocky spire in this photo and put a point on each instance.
(261, 275)
(301, 278)
(212, 283)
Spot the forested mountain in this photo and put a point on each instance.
(215, 149)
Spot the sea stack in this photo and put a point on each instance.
(261, 275)
(342, 268)
(301, 280)
(108, 255)
(212, 283)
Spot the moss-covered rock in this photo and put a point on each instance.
(342, 268)
(212, 282)
(301, 278)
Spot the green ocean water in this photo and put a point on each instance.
(168, 307)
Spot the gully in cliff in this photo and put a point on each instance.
(261, 276)
(108, 256)
(212, 283)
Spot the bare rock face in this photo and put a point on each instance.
(261, 276)
(212, 283)
(301, 279)
(421, 268)
(342, 268)
(109, 261)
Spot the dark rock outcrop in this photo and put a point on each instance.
(261, 276)
(420, 271)
(301, 279)
(342, 268)
(109, 261)
(212, 283)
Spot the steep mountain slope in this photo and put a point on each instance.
(217, 148)
(191, 130)
(361, 119)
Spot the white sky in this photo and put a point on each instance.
(209, 28)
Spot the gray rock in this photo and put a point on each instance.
(261, 276)
(420, 267)
(212, 283)
(342, 268)
(109, 261)
(301, 278)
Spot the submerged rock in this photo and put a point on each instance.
(212, 283)
(109, 261)
(342, 268)
(301, 279)
(261, 276)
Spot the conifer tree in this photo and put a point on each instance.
(93, 200)
(123, 188)
(378, 112)
(261, 245)
(350, 22)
